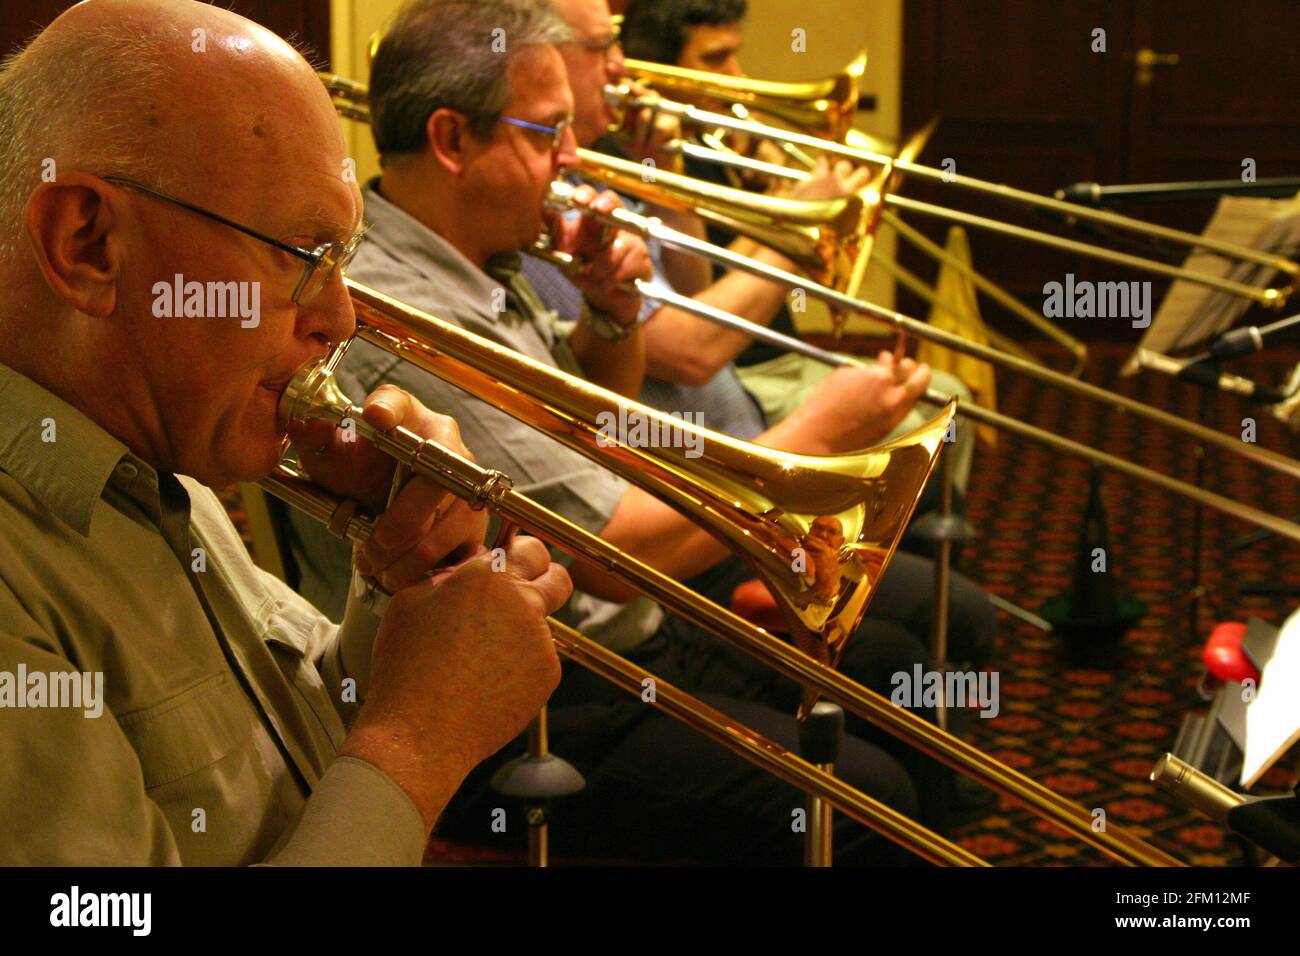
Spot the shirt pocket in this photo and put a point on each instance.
(291, 646)
(189, 731)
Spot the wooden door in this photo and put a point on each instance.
(1230, 97)
(1028, 98)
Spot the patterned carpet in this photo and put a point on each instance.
(1093, 733)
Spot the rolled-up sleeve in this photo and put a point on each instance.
(356, 816)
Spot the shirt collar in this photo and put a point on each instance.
(414, 243)
(61, 457)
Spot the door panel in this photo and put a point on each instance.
(1026, 101)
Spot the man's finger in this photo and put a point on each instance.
(413, 512)
(919, 381)
(457, 532)
(550, 589)
(387, 407)
(527, 557)
(857, 181)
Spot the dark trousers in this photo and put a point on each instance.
(657, 790)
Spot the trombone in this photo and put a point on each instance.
(739, 90)
(652, 228)
(825, 107)
(736, 490)
(314, 394)
(530, 391)
(759, 214)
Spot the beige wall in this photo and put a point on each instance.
(833, 33)
(352, 24)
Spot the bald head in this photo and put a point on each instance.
(211, 108)
(178, 93)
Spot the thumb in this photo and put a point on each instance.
(549, 590)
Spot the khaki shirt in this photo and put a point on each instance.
(222, 704)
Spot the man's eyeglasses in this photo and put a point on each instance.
(556, 132)
(320, 263)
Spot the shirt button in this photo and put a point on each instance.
(127, 471)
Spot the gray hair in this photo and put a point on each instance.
(55, 113)
(453, 54)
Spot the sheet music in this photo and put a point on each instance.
(1273, 717)
(1192, 313)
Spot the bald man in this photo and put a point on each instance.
(163, 701)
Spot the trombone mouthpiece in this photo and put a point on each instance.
(560, 198)
(313, 394)
(616, 94)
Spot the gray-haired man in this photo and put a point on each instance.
(238, 725)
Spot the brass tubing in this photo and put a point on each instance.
(670, 237)
(733, 629)
(754, 747)
(979, 413)
(763, 752)
(918, 286)
(1271, 298)
(1077, 350)
(1009, 302)
(622, 95)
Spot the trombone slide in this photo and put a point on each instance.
(484, 487)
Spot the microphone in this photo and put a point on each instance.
(1251, 338)
(1203, 370)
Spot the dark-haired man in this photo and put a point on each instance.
(466, 160)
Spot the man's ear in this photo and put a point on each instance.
(72, 225)
(449, 134)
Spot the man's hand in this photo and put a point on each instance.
(613, 258)
(829, 180)
(462, 662)
(424, 526)
(858, 406)
(650, 132)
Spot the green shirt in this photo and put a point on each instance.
(224, 698)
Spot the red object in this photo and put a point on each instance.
(754, 602)
(1223, 655)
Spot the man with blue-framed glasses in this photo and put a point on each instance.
(461, 196)
(189, 708)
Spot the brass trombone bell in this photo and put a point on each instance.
(823, 106)
(550, 400)
(714, 85)
(314, 395)
(825, 238)
(818, 530)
